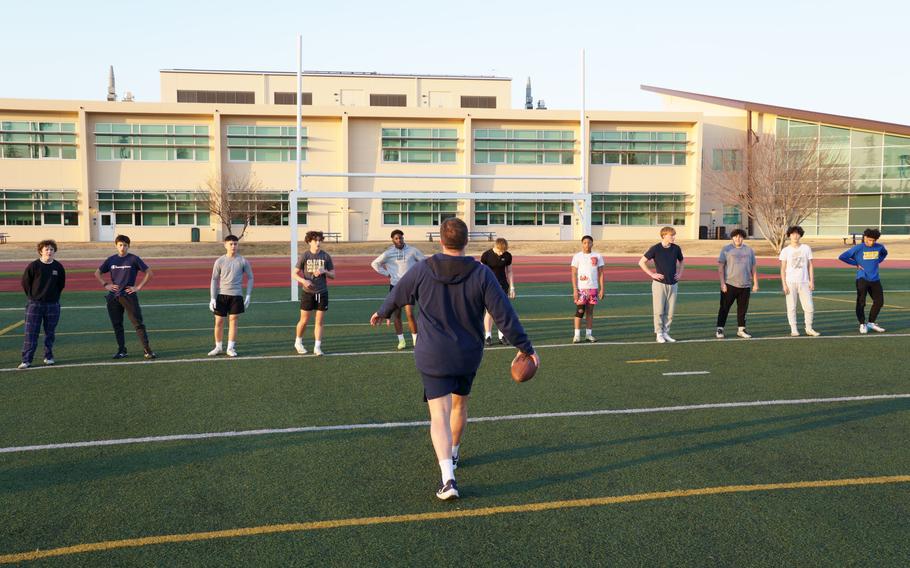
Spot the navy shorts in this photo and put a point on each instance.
(318, 301)
(228, 305)
(435, 387)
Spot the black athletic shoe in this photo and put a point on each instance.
(151, 355)
(503, 340)
(119, 354)
(448, 490)
(488, 341)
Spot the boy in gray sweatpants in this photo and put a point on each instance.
(668, 263)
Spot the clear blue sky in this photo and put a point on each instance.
(842, 57)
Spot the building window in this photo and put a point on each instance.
(31, 207)
(638, 148)
(266, 208)
(649, 209)
(732, 215)
(419, 145)
(524, 146)
(429, 212)
(156, 208)
(388, 100)
(232, 97)
(291, 98)
(38, 140)
(478, 102)
(158, 142)
(520, 212)
(264, 143)
(726, 160)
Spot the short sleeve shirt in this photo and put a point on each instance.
(738, 265)
(587, 265)
(665, 259)
(310, 262)
(797, 262)
(123, 270)
(498, 264)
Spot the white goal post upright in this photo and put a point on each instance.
(292, 199)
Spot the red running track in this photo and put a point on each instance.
(274, 272)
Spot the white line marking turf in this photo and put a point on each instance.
(419, 423)
(411, 352)
(680, 373)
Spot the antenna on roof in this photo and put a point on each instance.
(529, 100)
(111, 91)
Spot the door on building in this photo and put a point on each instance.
(357, 221)
(565, 228)
(106, 228)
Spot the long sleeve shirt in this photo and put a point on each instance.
(44, 282)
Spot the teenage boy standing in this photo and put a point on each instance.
(226, 289)
(123, 294)
(499, 259)
(866, 257)
(587, 286)
(394, 262)
(736, 269)
(668, 263)
(42, 281)
(797, 275)
(314, 267)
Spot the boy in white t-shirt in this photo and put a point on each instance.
(798, 279)
(587, 286)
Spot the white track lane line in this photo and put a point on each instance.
(419, 423)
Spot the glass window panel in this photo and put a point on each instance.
(865, 201)
(551, 218)
(803, 129)
(892, 140)
(202, 154)
(833, 216)
(53, 219)
(864, 217)
(866, 173)
(237, 154)
(153, 154)
(420, 219)
(153, 129)
(897, 156)
(184, 129)
(895, 217)
(865, 186)
(124, 218)
(860, 157)
(121, 128)
(895, 200)
(267, 155)
(896, 172)
(858, 138)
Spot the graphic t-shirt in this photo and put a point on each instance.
(587, 265)
(498, 264)
(123, 270)
(665, 261)
(797, 259)
(310, 263)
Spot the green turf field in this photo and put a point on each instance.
(546, 479)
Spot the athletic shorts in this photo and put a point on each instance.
(587, 297)
(505, 287)
(318, 301)
(435, 387)
(228, 305)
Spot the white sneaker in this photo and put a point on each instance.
(402, 345)
(23, 366)
(794, 332)
(49, 361)
(812, 332)
(742, 333)
(300, 348)
(590, 339)
(660, 338)
(875, 327)
(231, 352)
(215, 351)
(317, 351)
(576, 339)
(668, 339)
(719, 333)
(862, 329)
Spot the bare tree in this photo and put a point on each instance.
(234, 200)
(783, 183)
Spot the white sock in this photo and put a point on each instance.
(299, 341)
(500, 334)
(447, 470)
(414, 338)
(577, 333)
(232, 344)
(455, 450)
(218, 345)
(589, 331)
(741, 328)
(317, 344)
(488, 334)
(400, 337)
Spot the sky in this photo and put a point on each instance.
(840, 57)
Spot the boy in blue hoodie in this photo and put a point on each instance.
(452, 292)
(866, 257)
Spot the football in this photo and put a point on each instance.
(523, 368)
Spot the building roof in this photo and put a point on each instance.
(370, 74)
(808, 115)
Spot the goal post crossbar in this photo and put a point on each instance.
(436, 176)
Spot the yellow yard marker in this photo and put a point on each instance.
(11, 327)
(648, 361)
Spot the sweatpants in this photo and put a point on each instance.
(873, 289)
(36, 314)
(129, 304)
(738, 295)
(663, 300)
(799, 290)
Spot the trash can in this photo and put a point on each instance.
(703, 232)
(194, 234)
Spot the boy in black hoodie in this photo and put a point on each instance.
(452, 292)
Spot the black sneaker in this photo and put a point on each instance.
(119, 354)
(151, 355)
(504, 341)
(447, 490)
(488, 341)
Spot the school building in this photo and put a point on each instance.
(87, 170)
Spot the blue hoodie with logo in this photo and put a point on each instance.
(865, 259)
(452, 293)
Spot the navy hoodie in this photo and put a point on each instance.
(452, 293)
